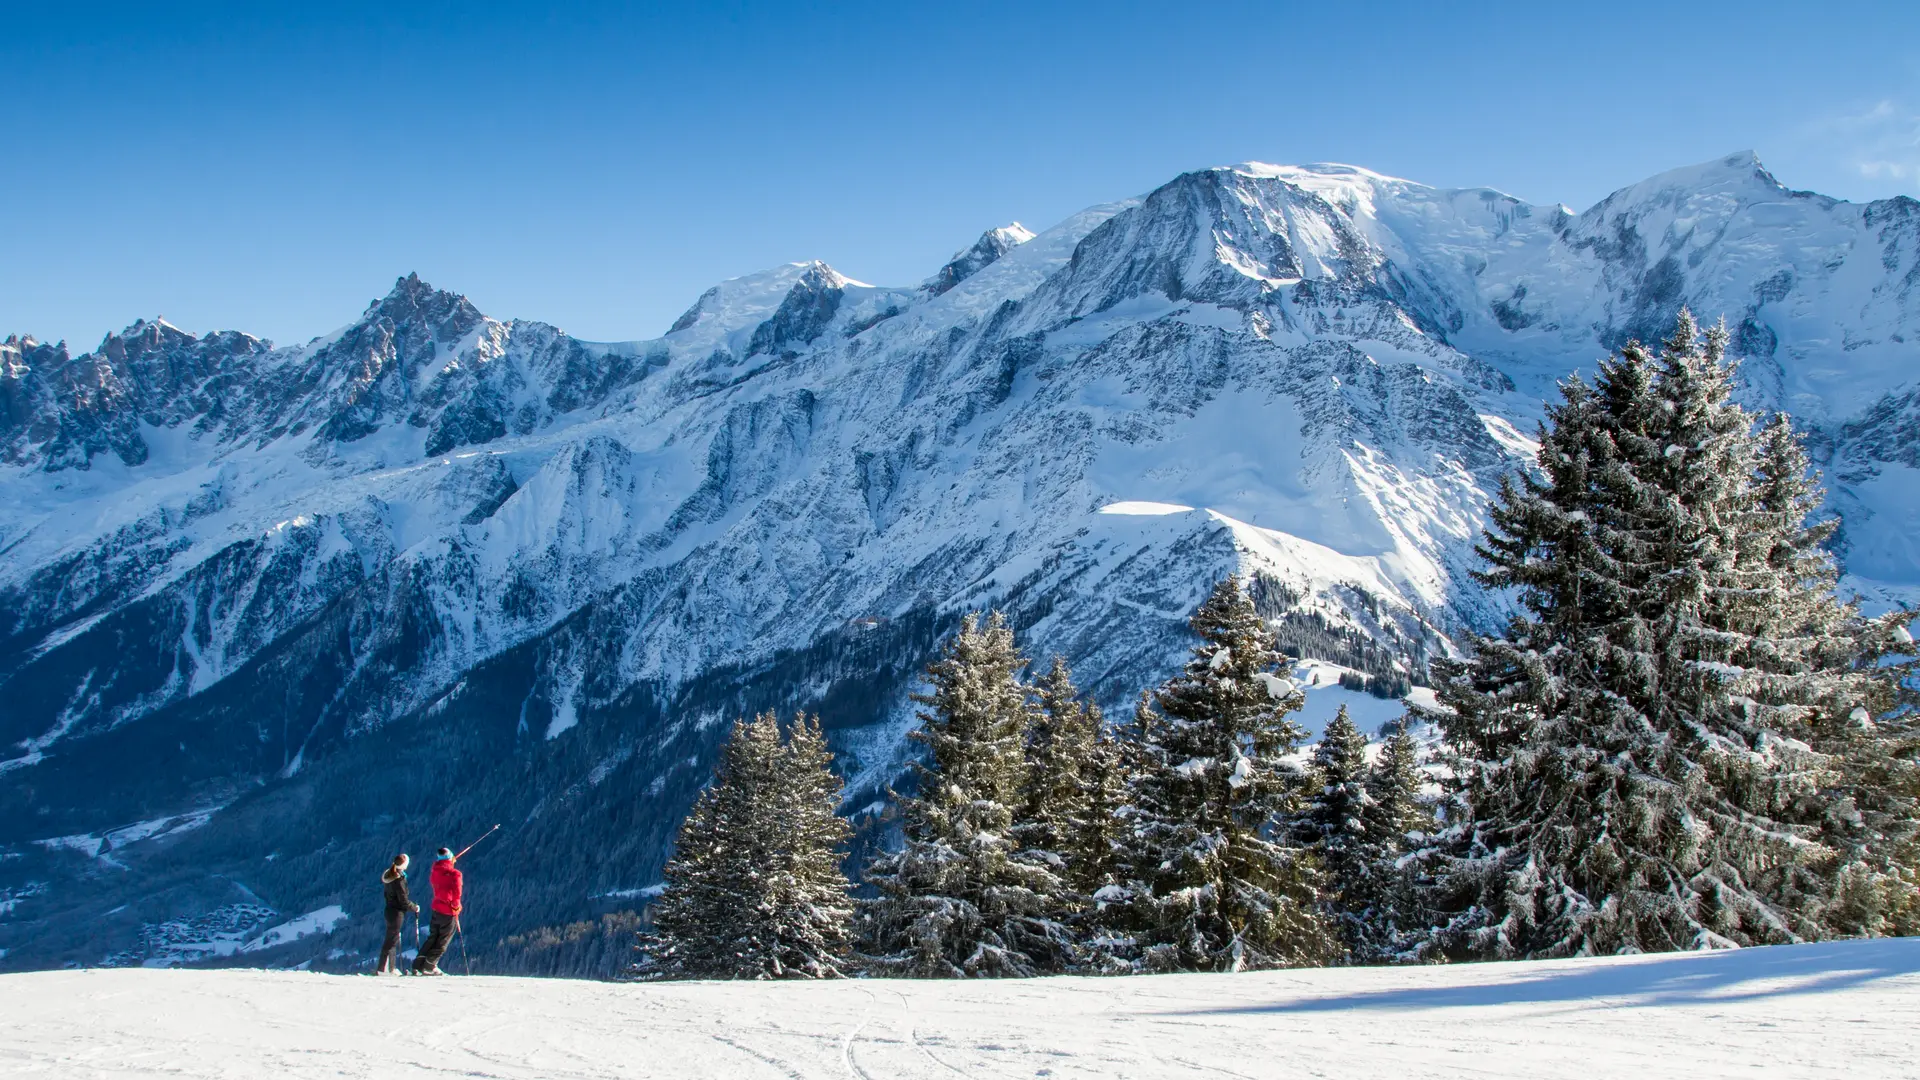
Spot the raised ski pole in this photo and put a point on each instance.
(476, 843)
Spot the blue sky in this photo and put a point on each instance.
(273, 170)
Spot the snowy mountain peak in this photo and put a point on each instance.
(985, 251)
(774, 311)
(1741, 168)
(144, 335)
(804, 313)
(1322, 171)
(1230, 238)
(451, 315)
(1737, 178)
(742, 303)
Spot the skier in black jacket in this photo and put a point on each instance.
(398, 905)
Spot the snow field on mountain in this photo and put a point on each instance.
(1840, 1009)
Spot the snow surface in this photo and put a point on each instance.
(313, 922)
(1321, 682)
(1840, 1009)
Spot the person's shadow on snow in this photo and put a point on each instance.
(1731, 975)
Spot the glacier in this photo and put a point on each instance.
(434, 569)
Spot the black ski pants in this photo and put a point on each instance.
(396, 919)
(439, 936)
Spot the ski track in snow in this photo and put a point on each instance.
(1841, 1009)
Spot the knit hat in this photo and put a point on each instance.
(443, 855)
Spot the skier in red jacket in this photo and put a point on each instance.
(447, 886)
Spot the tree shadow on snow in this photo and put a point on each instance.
(1678, 979)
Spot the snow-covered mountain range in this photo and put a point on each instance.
(434, 569)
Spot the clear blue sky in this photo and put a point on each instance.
(273, 170)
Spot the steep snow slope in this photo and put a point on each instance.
(435, 569)
(1840, 1010)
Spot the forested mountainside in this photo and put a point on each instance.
(270, 613)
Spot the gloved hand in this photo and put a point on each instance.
(415, 907)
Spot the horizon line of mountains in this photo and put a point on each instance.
(262, 599)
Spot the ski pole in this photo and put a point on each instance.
(476, 843)
(465, 957)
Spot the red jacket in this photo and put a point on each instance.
(446, 888)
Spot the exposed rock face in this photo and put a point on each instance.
(436, 569)
(985, 252)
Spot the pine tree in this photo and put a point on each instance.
(1097, 836)
(806, 913)
(1819, 655)
(1209, 886)
(1334, 826)
(1634, 766)
(959, 899)
(697, 930)
(1358, 820)
(754, 889)
(1398, 822)
(1872, 818)
(1393, 788)
(1112, 947)
(1061, 734)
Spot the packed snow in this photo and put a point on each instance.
(1840, 1009)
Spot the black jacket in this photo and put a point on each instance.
(396, 883)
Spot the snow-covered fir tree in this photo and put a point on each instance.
(697, 931)
(1075, 784)
(1399, 820)
(1208, 884)
(1634, 760)
(1112, 946)
(1359, 819)
(1061, 732)
(1095, 842)
(1334, 825)
(960, 899)
(807, 907)
(1873, 809)
(754, 889)
(1869, 805)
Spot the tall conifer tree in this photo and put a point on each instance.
(1061, 734)
(1635, 764)
(807, 907)
(1334, 824)
(1358, 820)
(1209, 884)
(1399, 820)
(754, 889)
(959, 899)
(1097, 840)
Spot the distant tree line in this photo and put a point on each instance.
(1683, 739)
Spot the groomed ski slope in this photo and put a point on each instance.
(1845, 1009)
